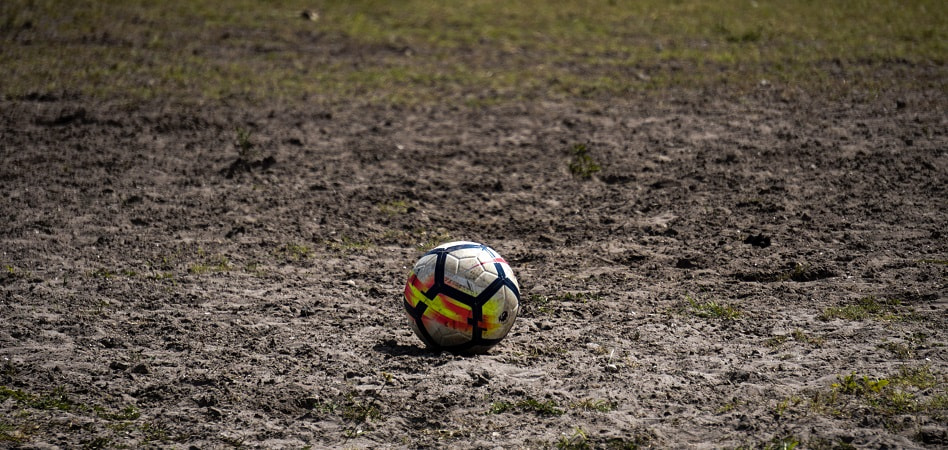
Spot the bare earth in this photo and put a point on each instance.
(731, 262)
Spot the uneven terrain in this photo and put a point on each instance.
(743, 262)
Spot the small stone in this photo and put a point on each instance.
(758, 240)
(546, 325)
(215, 413)
(933, 435)
(612, 368)
(110, 342)
(480, 379)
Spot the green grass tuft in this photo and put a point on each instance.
(244, 146)
(712, 310)
(294, 252)
(941, 262)
(912, 390)
(57, 399)
(11, 433)
(866, 308)
(395, 208)
(582, 165)
(218, 263)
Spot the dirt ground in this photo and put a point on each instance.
(762, 271)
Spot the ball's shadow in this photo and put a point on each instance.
(392, 348)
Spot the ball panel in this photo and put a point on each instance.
(461, 283)
(422, 334)
(451, 263)
(415, 289)
(488, 262)
(484, 280)
(449, 312)
(425, 268)
(499, 313)
(445, 336)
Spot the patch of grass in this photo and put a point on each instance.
(941, 262)
(541, 303)
(866, 308)
(129, 412)
(294, 252)
(777, 341)
(57, 399)
(395, 208)
(582, 165)
(500, 407)
(217, 263)
(938, 403)
(915, 377)
(547, 408)
(786, 404)
(581, 440)
(801, 336)
(101, 273)
(912, 390)
(712, 310)
(256, 269)
(97, 443)
(124, 420)
(347, 244)
(155, 432)
(317, 405)
(898, 349)
(432, 239)
(11, 433)
(360, 410)
(165, 263)
(245, 148)
(859, 386)
(194, 51)
(738, 35)
(577, 441)
(12, 273)
(162, 276)
(729, 406)
(788, 442)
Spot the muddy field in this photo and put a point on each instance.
(763, 270)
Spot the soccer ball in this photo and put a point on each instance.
(462, 297)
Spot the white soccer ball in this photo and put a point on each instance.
(462, 296)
